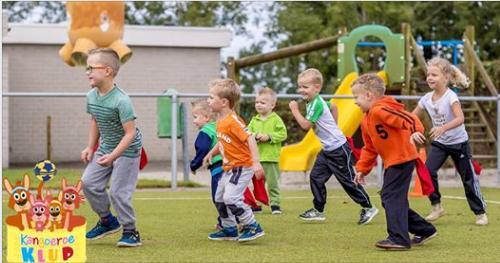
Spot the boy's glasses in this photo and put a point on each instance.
(89, 69)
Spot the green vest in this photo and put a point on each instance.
(211, 131)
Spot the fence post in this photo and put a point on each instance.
(174, 139)
(498, 137)
(185, 146)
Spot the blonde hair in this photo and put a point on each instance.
(202, 106)
(108, 57)
(370, 82)
(315, 74)
(270, 92)
(455, 76)
(226, 89)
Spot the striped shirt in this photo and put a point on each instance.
(111, 111)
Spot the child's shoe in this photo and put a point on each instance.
(366, 215)
(481, 220)
(251, 232)
(101, 230)
(257, 210)
(388, 244)
(227, 233)
(437, 212)
(130, 239)
(420, 240)
(312, 215)
(275, 210)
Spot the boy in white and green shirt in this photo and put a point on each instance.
(270, 132)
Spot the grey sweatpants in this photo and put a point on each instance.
(123, 174)
(229, 197)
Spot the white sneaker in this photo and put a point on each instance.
(366, 215)
(481, 220)
(437, 212)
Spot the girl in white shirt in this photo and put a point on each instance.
(448, 135)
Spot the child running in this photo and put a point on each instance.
(270, 132)
(240, 163)
(386, 131)
(335, 156)
(448, 135)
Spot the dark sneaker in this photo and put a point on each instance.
(390, 245)
(251, 232)
(420, 240)
(227, 233)
(312, 215)
(257, 210)
(100, 230)
(366, 215)
(130, 239)
(275, 210)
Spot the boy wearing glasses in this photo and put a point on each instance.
(335, 157)
(118, 155)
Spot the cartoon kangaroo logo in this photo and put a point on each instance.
(19, 201)
(71, 198)
(39, 212)
(55, 211)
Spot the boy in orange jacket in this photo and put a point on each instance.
(387, 131)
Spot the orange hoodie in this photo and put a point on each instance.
(386, 130)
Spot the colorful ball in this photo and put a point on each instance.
(45, 170)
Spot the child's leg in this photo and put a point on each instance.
(463, 164)
(340, 162)
(123, 184)
(94, 179)
(394, 194)
(320, 174)
(435, 159)
(215, 182)
(238, 179)
(272, 173)
(418, 225)
(227, 219)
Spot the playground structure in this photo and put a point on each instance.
(397, 75)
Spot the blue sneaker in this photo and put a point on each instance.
(100, 230)
(227, 233)
(251, 232)
(130, 239)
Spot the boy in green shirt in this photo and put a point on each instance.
(269, 131)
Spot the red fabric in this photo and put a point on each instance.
(259, 193)
(249, 199)
(143, 161)
(424, 176)
(356, 151)
(477, 167)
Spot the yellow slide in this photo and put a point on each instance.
(301, 156)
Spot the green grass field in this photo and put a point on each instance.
(174, 228)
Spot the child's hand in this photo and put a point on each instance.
(417, 138)
(436, 132)
(258, 171)
(193, 173)
(207, 160)
(86, 155)
(359, 178)
(105, 160)
(294, 106)
(262, 137)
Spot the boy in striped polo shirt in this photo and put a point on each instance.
(118, 155)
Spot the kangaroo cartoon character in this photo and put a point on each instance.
(56, 212)
(19, 201)
(71, 198)
(39, 212)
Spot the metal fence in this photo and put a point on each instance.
(175, 103)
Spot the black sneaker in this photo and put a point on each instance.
(257, 210)
(130, 239)
(366, 215)
(388, 244)
(275, 210)
(420, 240)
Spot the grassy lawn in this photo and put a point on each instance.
(73, 175)
(174, 228)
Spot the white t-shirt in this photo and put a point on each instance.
(441, 113)
(329, 134)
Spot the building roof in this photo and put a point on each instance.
(160, 36)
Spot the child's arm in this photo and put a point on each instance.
(335, 112)
(87, 153)
(202, 147)
(257, 167)
(368, 157)
(457, 121)
(418, 111)
(128, 137)
(303, 122)
(207, 160)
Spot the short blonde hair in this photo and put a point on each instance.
(370, 82)
(270, 92)
(202, 106)
(108, 57)
(315, 74)
(226, 89)
(456, 77)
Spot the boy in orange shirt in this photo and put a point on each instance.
(387, 131)
(240, 162)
